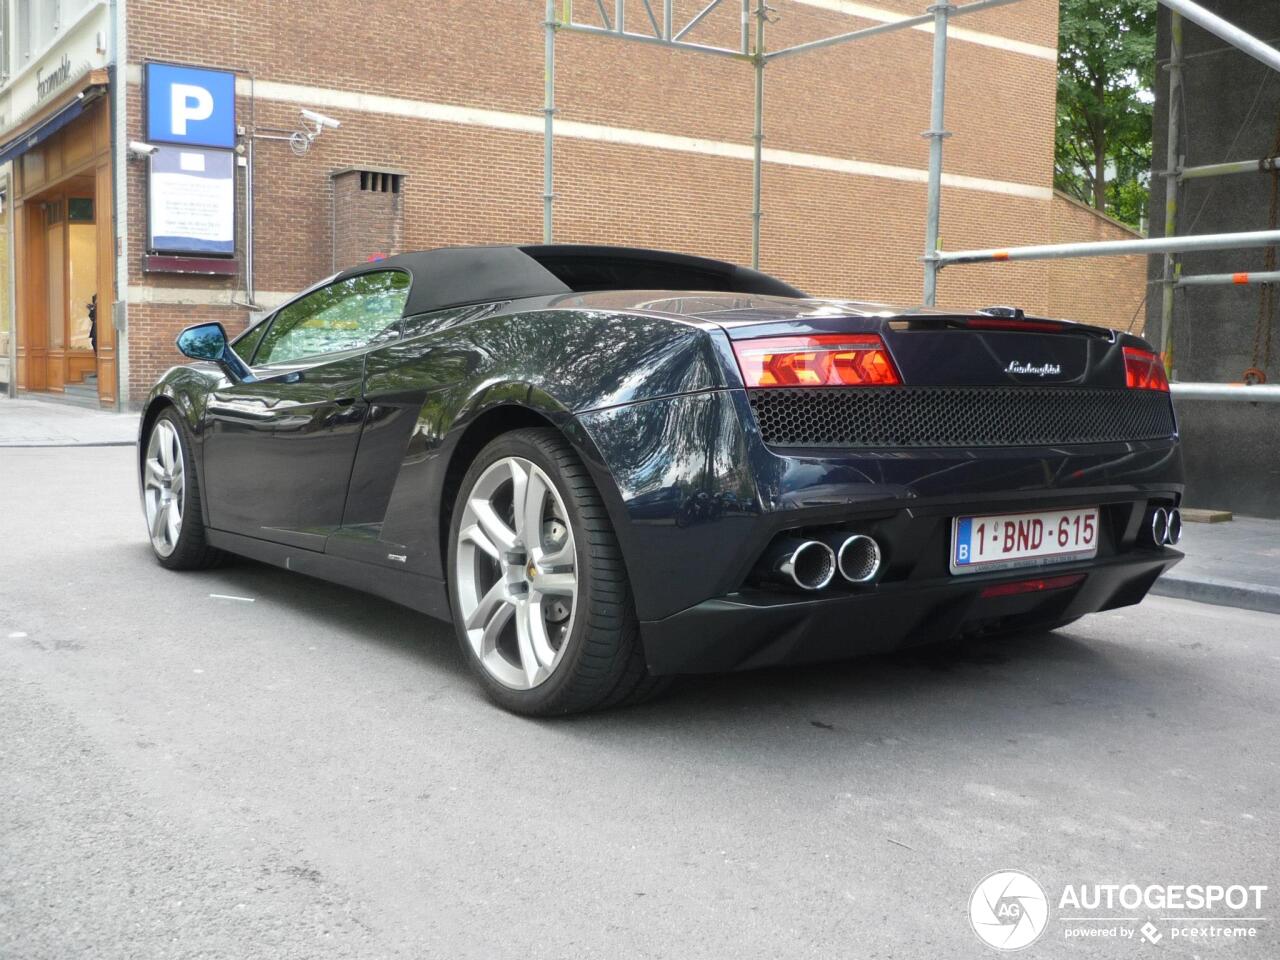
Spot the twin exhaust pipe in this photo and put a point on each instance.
(1165, 526)
(813, 564)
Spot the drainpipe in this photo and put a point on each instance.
(117, 53)
(249, 292)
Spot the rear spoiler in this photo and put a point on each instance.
(1014, 321)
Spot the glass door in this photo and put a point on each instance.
(71, 261)
(82, 285)
(55, 235)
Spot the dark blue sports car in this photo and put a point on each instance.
(607, 466)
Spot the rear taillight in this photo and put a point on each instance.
(822, 360)
(1144, 370)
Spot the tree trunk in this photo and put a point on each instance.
(1099, 148)
(1100, 177)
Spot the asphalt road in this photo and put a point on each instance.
(313, 774)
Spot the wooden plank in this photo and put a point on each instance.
(1193, 515)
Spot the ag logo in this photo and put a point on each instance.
(1008, 910)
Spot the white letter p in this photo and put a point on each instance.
(188, 102)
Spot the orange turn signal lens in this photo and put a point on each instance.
(822, 360)
(1144, 370)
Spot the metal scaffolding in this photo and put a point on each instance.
(658, 27)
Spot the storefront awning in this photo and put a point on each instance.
(45, 129)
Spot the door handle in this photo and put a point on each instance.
(345, 401)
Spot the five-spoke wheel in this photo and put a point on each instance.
(516, 572)
(171, 497)
(540, 595)
(163, 487)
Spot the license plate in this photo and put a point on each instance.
(1003, 541)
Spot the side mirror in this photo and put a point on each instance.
(208, 341)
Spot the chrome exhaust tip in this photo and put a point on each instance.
(1173, 528)
(858, 558)
(811, 565)
(1159, 525)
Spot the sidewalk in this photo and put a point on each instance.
(1235, 564)
(29, 422)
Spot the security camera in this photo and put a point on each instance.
(320, 119)
(142, 149)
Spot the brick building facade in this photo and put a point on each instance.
(440, 143)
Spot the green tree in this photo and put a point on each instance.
(1106, 61)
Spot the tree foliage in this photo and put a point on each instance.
(1106, 62)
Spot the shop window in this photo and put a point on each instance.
(39, 22)
(4, 42)
(80, 209)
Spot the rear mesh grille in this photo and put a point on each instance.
(958, 416)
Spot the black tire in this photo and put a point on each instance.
(602, 664)
(192, 550)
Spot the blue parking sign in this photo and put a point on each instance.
(190, 105)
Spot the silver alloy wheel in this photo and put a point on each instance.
(516, 573)
(164, 487)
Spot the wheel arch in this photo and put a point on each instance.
(150, 413)
(180, 391)
(538, 410)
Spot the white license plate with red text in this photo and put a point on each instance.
(1002, 541)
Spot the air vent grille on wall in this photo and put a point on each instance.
(376, 182)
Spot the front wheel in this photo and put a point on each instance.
(539, 592)
(171, 498)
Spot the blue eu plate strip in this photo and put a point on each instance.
(962, 539)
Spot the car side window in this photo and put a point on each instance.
(245, 344)
(345, 315)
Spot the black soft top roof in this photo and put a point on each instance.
(456, 276)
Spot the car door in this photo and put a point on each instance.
(278, 448)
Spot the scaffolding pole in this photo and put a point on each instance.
(1265, 165)
(1116, 248)
(548, 121)
(907, 23)
(936, 133)
(757, 137)
(1239, 392)
(1173, 160)
(1226, 30)
(1229, 279)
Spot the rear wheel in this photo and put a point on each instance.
(539, 592)
(171, 498)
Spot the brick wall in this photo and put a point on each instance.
(829, 232)
(1109, 291)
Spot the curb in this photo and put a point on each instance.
(1223, 593)
(63, 444)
